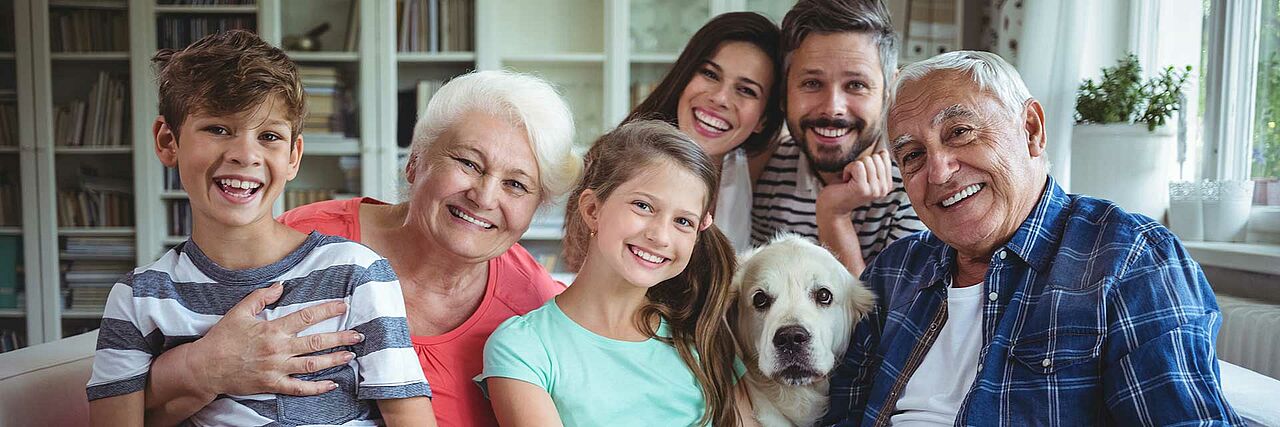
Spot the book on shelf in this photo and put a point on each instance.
(88, 30)
(81, 208)
(100, 120)
(411, 103)
(7, 39)
(98, 247)
(179, 218)
(8, 118)
(10, 252)
(11, 340)
(10, 197)
(295, 198)
(435, 25)
(172, 180)
(328, 103)
(176, 32)
(641, 90)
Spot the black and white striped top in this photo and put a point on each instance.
(179, 297)
(786, 193)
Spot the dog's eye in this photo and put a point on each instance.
(822, 296)
(761, 300)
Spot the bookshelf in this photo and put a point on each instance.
(372, 68)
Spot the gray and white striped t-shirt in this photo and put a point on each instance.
(786, 194)
(179, 297)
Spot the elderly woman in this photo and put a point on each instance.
(491, 147)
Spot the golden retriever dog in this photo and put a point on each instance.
(794, 312)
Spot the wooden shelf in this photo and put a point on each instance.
(542, 232)
(92, 150)
(10, 231)
(169, 8)
(95, 231)
(7, 55)
(576, 58)
(8, 149)
(81, 314)
(428, 57)
(329, 145)
(324, 56)
(89, 56)
(173, 194)
(12, 312)
(68, 257)
(654, 58)
(173, 240)
(87, 4)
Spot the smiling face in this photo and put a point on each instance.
(725, 101)
(972, 169)
(232, 167)
(835, 97)
(476, 188)
(646, 228)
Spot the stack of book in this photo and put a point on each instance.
(324, 100)
(10, 251)
(295, 198)
(412, 103)
(99, 249)
(435, 25)
(176, 32)
(641, 90)
(172, 181)
(90, 281)
(98, 122)
(8, 118)
(97, 202)
(88, 30)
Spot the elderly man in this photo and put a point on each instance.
(831, 179)
(1022, 305)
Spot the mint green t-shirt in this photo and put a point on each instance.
(595, 380)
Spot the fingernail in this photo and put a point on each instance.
(358, 337)
(348, 356)
(332, 385)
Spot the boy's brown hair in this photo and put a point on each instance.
(224, 74)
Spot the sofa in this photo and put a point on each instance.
(43, 385)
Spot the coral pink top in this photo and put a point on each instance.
(517, 284)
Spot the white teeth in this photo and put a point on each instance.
(963, 194)
(469, 218)
(647, 256)
(235, 183)
(713, 122)
(830, 132)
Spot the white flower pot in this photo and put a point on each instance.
(1124, 163)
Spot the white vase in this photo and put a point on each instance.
(1227, 205)
(1123, 163)
(1186, 210)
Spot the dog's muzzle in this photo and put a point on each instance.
(791, 339)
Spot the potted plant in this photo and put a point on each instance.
(1122, 144)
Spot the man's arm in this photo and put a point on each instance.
(1163, 370)
(864, 180)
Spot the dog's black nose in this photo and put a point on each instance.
(790, 337)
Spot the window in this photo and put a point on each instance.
(1265, 152)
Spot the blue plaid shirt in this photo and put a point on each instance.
(1091, 316)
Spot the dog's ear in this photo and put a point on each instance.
(862, 301)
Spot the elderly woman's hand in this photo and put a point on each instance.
(244, 355)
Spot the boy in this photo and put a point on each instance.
(231, 115)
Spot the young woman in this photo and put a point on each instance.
(638, 338)
(722, 93)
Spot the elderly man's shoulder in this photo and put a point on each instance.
(914, 252)
(1105, 222)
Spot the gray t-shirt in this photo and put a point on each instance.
(179, 297)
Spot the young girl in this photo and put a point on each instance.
(638, 339)
(721, 92)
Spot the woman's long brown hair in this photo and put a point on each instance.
(695, 302)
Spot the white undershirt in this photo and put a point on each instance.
(938, 387)
(733, 204)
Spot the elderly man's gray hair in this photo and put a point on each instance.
(988, 70)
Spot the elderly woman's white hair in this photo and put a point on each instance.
(988, 70)
(525, 101)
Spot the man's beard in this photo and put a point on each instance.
(830, 159)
